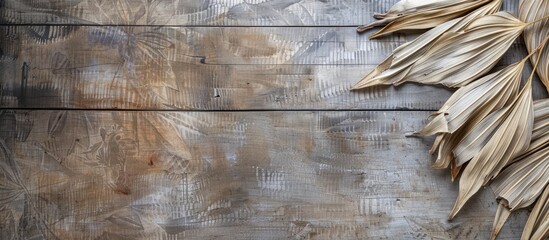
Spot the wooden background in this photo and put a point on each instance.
(229, 119)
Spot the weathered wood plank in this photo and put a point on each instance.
(223, 88)
(209, 12)
(243, 175)
(202, 69)
(206, 45)
(59, 47)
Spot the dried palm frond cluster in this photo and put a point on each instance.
(490, 131)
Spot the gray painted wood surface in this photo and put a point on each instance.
(199, 13)
(217, 119)
(250, 175)
(204, 68)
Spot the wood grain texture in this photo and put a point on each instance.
(254, 175)
(203, 68)
(247, 174)
(203, 13)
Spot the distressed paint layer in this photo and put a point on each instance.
(272, 175)
(202, 68)
(208, 12)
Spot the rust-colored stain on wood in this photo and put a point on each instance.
(172, 119)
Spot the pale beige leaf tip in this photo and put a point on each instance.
(396, 65)
(511, 138)
(529, 11)
(428, 16)
(399, 9)
(502, 213)
(458, 58)
(537, 226)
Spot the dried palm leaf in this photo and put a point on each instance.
(502, 213)
(522, 182)
(445, 156)
(476, 138)
(403, 8)
(540, 138)
(457, 59)
(454, 170)
(467, 141)
(398, 63)
(445, 143)
(478, 133)
(449, 142)
(475, 101)
(407, 6)
(511, 138)
(428, 16)
(467, 107)
(537, 226)
(541, 109)
(531, 10)
(471, 144)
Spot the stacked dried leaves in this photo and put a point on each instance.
(490, 130)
